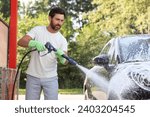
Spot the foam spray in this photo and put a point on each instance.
(97, 79)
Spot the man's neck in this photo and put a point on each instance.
(49, 28)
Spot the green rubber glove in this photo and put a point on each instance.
(59, 54)
(62, 60)
(36, 44)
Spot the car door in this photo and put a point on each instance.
(91, 90)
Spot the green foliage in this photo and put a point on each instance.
(69, 77)
(70, 91)
(90, 42)
(6, 20)
(111, 18)
(102, 20)
(5, 8)
(67, 28)
(121, 17)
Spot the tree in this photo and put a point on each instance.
(100, 21)
(5, 8)
(110, 19)
(121, 17)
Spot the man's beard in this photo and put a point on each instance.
(55, 27)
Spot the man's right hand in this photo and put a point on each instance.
(36, 44)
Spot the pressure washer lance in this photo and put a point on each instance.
(49, 48)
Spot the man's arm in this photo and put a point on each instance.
(24, 41)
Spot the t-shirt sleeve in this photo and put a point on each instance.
(65, 45)
(32, 32)
(63, 42)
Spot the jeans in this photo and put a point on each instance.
(34, 87)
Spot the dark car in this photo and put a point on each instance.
(123, 70)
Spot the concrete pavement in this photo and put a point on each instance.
(60, 97)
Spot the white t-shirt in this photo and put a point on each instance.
(45, 66)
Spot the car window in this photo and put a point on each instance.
(109, 50)
(135, 49)
(113, 60)
(106, 49)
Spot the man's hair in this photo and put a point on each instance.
(56, 10)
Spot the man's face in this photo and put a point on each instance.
(57, 21)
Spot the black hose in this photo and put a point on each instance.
(49, 48)
(13, 89)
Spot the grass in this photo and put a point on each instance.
(70, 91)
(61, 91)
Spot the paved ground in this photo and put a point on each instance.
(60, 97)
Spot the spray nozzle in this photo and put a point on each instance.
(51, 48)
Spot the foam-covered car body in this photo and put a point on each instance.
(125, 63)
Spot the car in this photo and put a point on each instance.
(122, 69)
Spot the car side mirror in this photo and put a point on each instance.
(102, 60)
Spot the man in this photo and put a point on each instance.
(42, 70)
